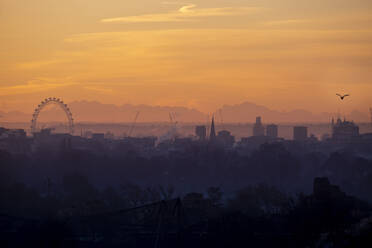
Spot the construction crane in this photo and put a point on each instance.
(370, 112)
(134, 124)
(172, 118)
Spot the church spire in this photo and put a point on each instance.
(213, 131)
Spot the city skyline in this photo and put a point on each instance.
(198, 54)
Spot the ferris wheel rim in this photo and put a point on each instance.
(58, 102)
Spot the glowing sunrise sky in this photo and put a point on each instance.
(284, 54)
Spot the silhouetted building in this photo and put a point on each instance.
(323, 189)
(182, 143)
(325, 137)
(141, 142)
(66, 144)
(44, 133)
(87, 134)
(109, 135)
(12, 133)
(47, 141)
(225, 138)
(344, 130)
(141, 145)
(14, 140)
(98, 136)
(366, 137)
(212, 135)
(201, 132)
(299, 133)
(258, 128)
(2, 130)
(313, 138)
(19, 133)
(272, 131)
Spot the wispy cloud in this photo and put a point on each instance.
(350, 21)
(173, 3)
(99, 89)
(40, 63)
(185, 13)
(187, 8)
(36, 85)
(287, 22)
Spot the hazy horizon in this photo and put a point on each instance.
(245, 112)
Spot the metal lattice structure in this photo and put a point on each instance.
(58, 102)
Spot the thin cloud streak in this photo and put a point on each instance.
(33, 86)
(38, 64)
(187, 8)
(184, 14)
(99, 89)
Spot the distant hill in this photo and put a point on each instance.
(14, 116)
(92, 111)
(98, 112)
(247, 112)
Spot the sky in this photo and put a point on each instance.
(201, 54)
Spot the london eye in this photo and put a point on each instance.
(55, 101)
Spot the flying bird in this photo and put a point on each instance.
(342, 97)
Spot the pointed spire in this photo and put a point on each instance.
(213, 131)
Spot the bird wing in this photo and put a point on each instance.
(338, 95)
(346, 95)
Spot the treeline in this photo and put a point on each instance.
(202, 197)
(133, 216)
(193, 170)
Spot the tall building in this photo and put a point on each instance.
(272, 131)
(299, 133)
(258, 128)
(201, 132)
(212, 135)
(344, 130)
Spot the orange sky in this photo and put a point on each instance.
(283, 54)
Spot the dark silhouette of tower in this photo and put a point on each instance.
(212, 135)
(201, 132)
(258, 128)
(272, 131)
